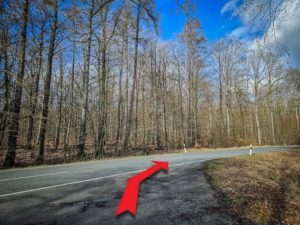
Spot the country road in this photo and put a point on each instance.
(89, 193)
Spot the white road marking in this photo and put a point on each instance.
(41, 175)
(61, 185)
(99, 178)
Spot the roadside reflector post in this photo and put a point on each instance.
(184, 147)
(250, 149)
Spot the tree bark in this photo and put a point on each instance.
(120, 100)
(14, 126)
(84, 103)
(257, 123)
(7, 83)
(130, 113)
(47, 85)
(60, 99)
(136, 122)
(165, 108)
(35, 91)
(227, 91)
(102, 98)
(68, 129)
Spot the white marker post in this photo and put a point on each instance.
(250, 149)
(184, 148)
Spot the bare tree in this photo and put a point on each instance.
(34, 91)
(293, 86)
(14, 126)
(84, 106)
(227, 55)
(124, 32)
(47, 83)
(257, 75)
(148, 7)
(5, 71)
(96, 71)
(60, 95)
(85, 83)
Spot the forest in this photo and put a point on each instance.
(94, 76)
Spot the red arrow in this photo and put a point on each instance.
(129, 198)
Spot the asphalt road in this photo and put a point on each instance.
(89, 193)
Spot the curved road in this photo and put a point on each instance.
(89, 193)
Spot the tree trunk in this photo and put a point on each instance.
(251, 124)
(60, 99)
(14, 126)
(195, 110)
(156, 79)
(297, 115)
(221, 103)
(47, 85)
(67, 135)
(272, 127)
(136, 112)
(102, 98)
(165, 110)
(35, 91)
(7, 83)
(257, 124)
(182, 129)
(130, 113)
(120, 100)
(84, 104)
(157, 117)
(144, 114)
(227, 91)
(210, 119)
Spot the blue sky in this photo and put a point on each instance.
(214, 25)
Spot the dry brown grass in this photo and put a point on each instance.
(262, 189)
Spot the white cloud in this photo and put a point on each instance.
(282, 34)
(231, 5)
(239, 32)
(243, 34)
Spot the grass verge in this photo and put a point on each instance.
(260, 189)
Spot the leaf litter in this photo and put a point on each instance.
(260, 189)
